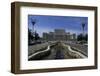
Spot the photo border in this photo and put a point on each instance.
(15, 36)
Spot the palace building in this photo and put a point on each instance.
(59, 35)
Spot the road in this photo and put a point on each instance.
(57, 50)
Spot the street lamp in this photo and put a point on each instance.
(33, 21)
(83, 26)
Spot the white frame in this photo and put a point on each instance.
(25, 64)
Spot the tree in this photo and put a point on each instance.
(30, 36)
(37, 37)
(80, 37)
(86, 37)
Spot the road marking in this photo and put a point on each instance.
(80, 54)
(48, 48)
(83, 56)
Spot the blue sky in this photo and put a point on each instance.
(48, 23)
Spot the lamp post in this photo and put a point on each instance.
(83, 26)
(33, 23)
(83, 34)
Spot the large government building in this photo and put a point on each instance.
(60, 35)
